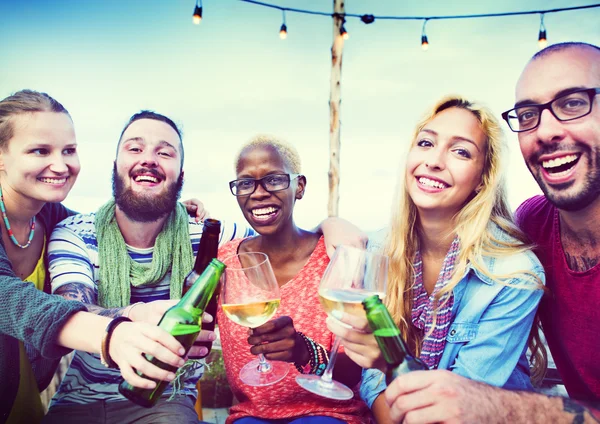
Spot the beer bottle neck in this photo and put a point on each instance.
(199, 294)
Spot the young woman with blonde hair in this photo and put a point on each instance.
(463, 283)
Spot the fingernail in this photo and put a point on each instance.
(171, 377)
(180, 363)
(337, 314)
(151, 385)
(181, 351)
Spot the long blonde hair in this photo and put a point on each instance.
(473, 225)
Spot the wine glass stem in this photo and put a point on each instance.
(327, 376)
(263, 365)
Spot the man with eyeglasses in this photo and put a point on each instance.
(557, 118)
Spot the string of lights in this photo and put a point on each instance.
(369, 19)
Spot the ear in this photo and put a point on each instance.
(300, 187)
(1, 160)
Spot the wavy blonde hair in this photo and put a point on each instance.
(473, 225)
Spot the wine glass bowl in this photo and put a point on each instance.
(250, 297)
(351, 276)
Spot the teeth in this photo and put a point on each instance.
(53, 180)
(263, 211)
(553, 163)
(431, 183)
(146, 178)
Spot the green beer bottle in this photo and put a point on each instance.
(390, 341)
(183, 322)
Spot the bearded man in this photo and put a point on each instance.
(128, 259)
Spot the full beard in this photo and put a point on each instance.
(141, 208)
(560, 197)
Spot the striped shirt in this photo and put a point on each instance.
(73, 258)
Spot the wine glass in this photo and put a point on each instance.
(351, 276)
(250, 297)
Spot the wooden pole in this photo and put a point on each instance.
(334, 108)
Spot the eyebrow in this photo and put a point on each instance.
(141, 140)
(564, 92)
(453, 138)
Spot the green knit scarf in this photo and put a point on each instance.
(118, 271)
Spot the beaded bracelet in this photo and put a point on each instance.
(105, 358)
(318, 358)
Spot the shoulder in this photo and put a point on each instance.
(519, 262)
(79, 223)
(53, 213)
(229, 248)
(532, 210)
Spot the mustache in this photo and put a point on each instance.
(154, 172)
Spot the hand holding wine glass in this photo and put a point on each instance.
(352, 275)
(250, 297)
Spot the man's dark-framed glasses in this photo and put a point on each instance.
(271, 183)
(566, 107)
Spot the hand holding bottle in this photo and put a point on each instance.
(152, 312)
(130, 339)
(358, 340)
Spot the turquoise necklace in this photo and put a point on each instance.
(9, 231)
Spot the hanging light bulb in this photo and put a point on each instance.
(424, 41)
(344, 33)
(542, 39)
(197, 17)
(283, 29)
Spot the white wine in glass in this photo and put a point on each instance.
(351, 276)
(250, 297)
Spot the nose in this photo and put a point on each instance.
(149, 159)
(59, 164)
(260, 192)
(550, 129)
(434, 159)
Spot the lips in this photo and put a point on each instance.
(264, 214)
(559, 169)
(53, 180)
(151, 176)
(431, 184)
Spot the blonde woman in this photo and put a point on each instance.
(464, 285)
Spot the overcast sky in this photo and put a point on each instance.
(231, 77)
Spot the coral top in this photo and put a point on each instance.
(285, 399)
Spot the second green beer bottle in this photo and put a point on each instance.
(182, 321)
(390, 341)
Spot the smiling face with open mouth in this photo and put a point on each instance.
(563, 157)
(445, 163)
(40, 161)
(267, 212)
(147, 177)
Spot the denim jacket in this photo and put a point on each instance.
(487, 339)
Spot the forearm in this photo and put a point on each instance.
(536, 408)
(381, 410)
(498, 405)
(112, 312)
(86, 295)
(83, 331)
